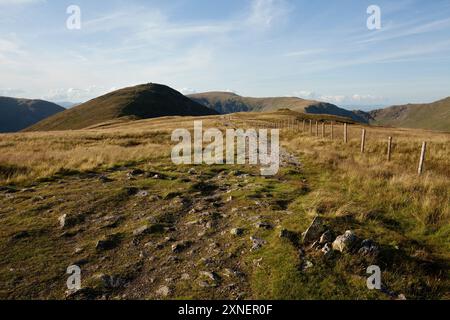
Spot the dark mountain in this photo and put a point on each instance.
(17, 114)
(139, 102)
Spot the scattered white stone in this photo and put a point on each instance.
(142, 194)
(344, 242)
(257, 243)
(163, 291)
(237, 231)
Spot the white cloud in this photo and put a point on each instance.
(76, 94)
(187, 91)
(10, 51)
(354, 99)
(9, 46)
(10, 92)
(18, 2)
(304, 53)
(409, 29)
(265, 13)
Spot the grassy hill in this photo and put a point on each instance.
(226, 102)
(433, 116)
(139, 102)
(17, 114)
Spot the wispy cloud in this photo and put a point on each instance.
(18, 2)
(265, 13)
(354, 99)
(409, 29)
(76, 94)
(258, 46)
(304, 53)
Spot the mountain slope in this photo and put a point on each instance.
(433, 116)
(226, 102)
(139, 102)
(17, 114)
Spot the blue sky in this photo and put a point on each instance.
(312, 49)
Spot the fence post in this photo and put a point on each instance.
(323, 130)
(317, 128)
(422, 157)
(345, 133)
(332, 130)
(389, 149)
(310, 127)
(363, 140)
(304, 125)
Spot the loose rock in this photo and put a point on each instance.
(344, 242)
(211, 275)
(369, 248)
(307, 265)
(263, 225)
(142, 194)
(314, 231)
(327, 252)
(327, 237)
(68, 221)
(237, 231)
(108, 243)
(257, 243)
(148, 229)
(180, 246)
(163, 291)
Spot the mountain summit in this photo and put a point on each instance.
(140, 102)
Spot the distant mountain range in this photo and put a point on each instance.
(17, 114)
(67, 104)
(433, 116)
(156, 100)
(226, 102)
(139, 102)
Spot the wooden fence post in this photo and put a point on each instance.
(310, 127)
(317, 128)
(332, 130)
(422, 157)
(345, 133)
(363, 140)
(304, 125)
(389, 149)
(323, 130)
